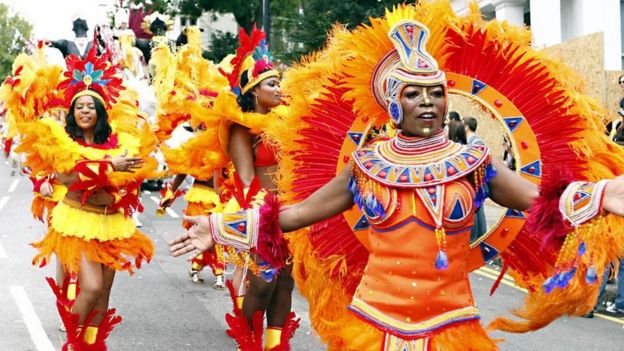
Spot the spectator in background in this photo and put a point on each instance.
(472, 139)
(456, 132)
(470, 127)
(614, 126)
(508, 155)
(451, 116)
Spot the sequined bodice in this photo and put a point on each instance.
(402, 290)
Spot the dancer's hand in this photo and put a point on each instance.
(197, 238)
(46, 189)
(613, 199)
(123, 163)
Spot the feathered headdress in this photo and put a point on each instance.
(94, 76)
(253, 60)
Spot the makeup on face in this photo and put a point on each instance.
(424, 108)
(85, 112)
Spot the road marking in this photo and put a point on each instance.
(494, 277)
(169, 210)
(13, 185)
(33, 324)
(3, 253)
(3, 201)
(609, 318)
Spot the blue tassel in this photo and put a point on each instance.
(591, 276)
(268, 274)
(441, 261)
(582, 248)
(566, 277)
(549, 285)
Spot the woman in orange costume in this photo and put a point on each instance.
(91, 230)
(413, 291)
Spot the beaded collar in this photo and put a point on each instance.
(414, 162)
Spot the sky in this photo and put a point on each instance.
(52, 19)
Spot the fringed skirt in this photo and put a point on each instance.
(89, 231)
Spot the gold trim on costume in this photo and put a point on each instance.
(360, 307)
(103, 210)
(255, 81)
(395, 343)
(88, 93)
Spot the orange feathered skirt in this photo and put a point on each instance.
(78, 231)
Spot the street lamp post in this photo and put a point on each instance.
(266, 19)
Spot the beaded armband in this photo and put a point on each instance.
(238, 230)
(579, 203)
(255, 230)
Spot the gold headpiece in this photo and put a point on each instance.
(408, 63)
(253, 61)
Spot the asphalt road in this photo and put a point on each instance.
(164, 310)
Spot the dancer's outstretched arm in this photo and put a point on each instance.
(331, 199)
(511, 190)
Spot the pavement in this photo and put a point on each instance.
(164, 310)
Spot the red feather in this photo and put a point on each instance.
(240, 331)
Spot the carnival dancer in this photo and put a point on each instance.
(101, 155)
(186, 85)
(404, 275)
(241, 116)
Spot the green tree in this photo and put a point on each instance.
(308, 27)
(221, 45)
(14, 32)
(245, 12)
(169, 7)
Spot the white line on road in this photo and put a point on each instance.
(37, 334)
(3, 201)
(3, 253)
(169, 211)
(13, 185)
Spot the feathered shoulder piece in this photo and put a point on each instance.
(31, 88)
(185, 84)
(36, 90)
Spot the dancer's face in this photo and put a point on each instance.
(423, 109)
(268, 93)
(85, 113)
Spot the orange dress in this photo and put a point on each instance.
(419, 201)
